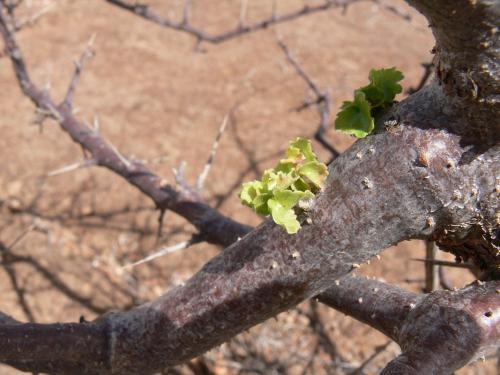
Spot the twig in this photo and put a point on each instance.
(161, 217)
(18, 238)
(445, 263)
(11, 272)
(204, 173)
(185, 12)
(79, 64)
(394, 10)
(58, 283)
(30, 21)
(378, 350)
(145, 12)
(425, 77)
(431, 268)
(322, 101)
(164, 251)
(243, 12)
(72, 167)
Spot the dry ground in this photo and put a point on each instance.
(159, 98)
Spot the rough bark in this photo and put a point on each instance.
(438, 333)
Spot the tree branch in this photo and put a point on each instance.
(425, 182)
(468, 61)
(213, 226)
(147, 13)
(438, 333)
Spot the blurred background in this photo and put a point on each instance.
(161, 96)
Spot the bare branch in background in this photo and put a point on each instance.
(322, 101)
(85, 56)
(214, 227)
(431, 268)
(146, 12)
(424, 80)
(72, 167)
(164, 251)
(204, 173)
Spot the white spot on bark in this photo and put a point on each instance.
(367, 183)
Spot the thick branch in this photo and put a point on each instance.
(418, 181)
(382, 306)
(448, 330)
(468, 60)
(438, 333)
(262, 274)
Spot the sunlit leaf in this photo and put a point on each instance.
(355, 117)
(315, 172)
(288, 187)
(284, 216)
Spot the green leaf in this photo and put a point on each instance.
(287, 187)
(250, 190)
(315, 172)
(259, 204)
(284, 216)
(374, 95)
(288, 198)
(355, 117)
(386, 81)
(305, 148)
(280, 180)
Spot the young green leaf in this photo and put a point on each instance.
(315, 172)
(284, 216)
(386, 80)
(287, 188)
(355, 117)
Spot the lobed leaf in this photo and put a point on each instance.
(287, 187)
(355, 117)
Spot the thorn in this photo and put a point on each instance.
(179, 175)
(164, 251)
(204, 173)
(95, 125)
(243, 12)
(72, 167)
(120, 156)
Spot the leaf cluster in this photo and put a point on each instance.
(290, 186)
(357, 117)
